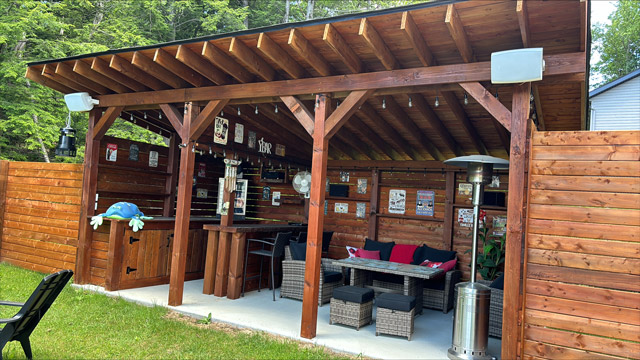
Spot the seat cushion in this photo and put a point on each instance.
(353, 294)
(498, 283)
(384, 248)
(436, 283)
(402, 253)
(298, 251)
(428, 253)
(396, 301)
(332, 276)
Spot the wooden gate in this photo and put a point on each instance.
(582, 255)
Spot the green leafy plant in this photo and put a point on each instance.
(492, 255)
(206, 320)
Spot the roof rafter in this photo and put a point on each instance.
(436, 124)
(49, 71)
(251, 60)
(273, 51)
(186, 73)
(523, 21)
(36, 76)
(310, 54)
(103, 68)
(368, 147)
(119, 64)
(362, 150)
(202, 66)
(413, 35)
(377, 142)
(66, 71)
(377, 44)
(152, 69)
(332, 37)
(396, 138)
(456, 29)
(467, 126)
(85, 70)
(218, 58)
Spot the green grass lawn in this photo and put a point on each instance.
(85, 325)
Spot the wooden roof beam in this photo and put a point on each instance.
(202, 66)
(538, 105)
(358, 149)
(436, 124)
(205, 118)
(332, 37)
(49, 71)
(286, 118)
(310, 54)
(300, 111)
(503, 134)
(412, 129)
(102, 67)
(396, 138)
(251, 60)
(467, 126)
(414, 37)
(343, 112)
(377, 44)
(347, 150)
(152, 69)
(172, 65)
(412, 165)
(351, 131)
(456, 29)
(66, 71)
(218, 58)
(34, 75)
(125, 68)
(489, 102)
(174, 115)
(84, 69)
(273, 51)
(584, 14)
(523, 20)
(377, 142)
(105, 122)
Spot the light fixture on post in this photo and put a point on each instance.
(471, 311)
(67, 141)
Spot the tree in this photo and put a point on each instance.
(618, 44)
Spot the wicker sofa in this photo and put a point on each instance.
(293, 279)
(495, 309)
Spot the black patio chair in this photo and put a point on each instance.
(276, 251)
(22, 324)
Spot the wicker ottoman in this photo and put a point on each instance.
(351, 305)
(395, 314)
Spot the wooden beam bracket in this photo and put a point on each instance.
(489, 102)
(348, 107)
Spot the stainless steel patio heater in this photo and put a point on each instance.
(471, 315)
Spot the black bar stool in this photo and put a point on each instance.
(277, 250)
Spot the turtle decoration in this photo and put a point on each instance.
(122, 211)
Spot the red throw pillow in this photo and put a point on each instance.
(368, 254)
(402, 253)
(446, 266)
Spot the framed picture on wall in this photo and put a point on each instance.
(240, 203)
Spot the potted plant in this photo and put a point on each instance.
(492, 255)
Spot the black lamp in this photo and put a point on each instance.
(67, 140)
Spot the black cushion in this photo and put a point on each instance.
(298, 250)
(353, 294)
(438, 255)
(332, 276)
(420, 255)
(396, 301)
(436, 283)
(384, 248)
(498, 283)
(392, 278)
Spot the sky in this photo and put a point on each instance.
(600, 11)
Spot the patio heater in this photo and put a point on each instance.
(471, 314)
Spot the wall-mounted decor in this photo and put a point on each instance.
(465, 217)
(251, 139)
(344, 176)
(264, 147)
(275, 200)
(202, 170)
(341, 208)
(361, 209)
(153, 158)
(397, 201)
(220, 130)
(112, 152)
(326, 207)
(271, 175)
(499, 225)
(424, 202)
(362, 186)
(134, 152)
(202, 193)
(465, 189)
(239, 133)
(280, 149)
(327, 185)
(266, 193)
(240, 202)
(495, 181)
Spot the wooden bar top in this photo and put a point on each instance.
(246, 228)
(207, 219)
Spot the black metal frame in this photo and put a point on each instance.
(277, 250)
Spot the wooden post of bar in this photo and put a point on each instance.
(316, 219)
(373, 210)
(115, 255)
(4, 174)
(224, 242)
(172, 179)
(89, 189)
(515, 231)
(183, 211)
(212, 259)
(449, 198)
(236, 265)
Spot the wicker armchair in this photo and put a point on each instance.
(442, 299)
(293, 279)
(495, 310)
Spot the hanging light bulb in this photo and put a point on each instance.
(248, 158)
(256, 110)
(496, 94)
(210, 150)
(224, 153)
(145, 115)
(235, 155)
(131, 117)
(67, 140)
(337, 103)
(193, 148)
(280, 166)
(466, 99)
(221, 112)
(410, 103)
(147, 127)
(259, 160)
(215, 155)
(160, 132)
(437, 103)
(160, 115)
(276, 108)
(384, 103)
(238, 110)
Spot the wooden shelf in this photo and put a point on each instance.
(483, 207)
(410, 217)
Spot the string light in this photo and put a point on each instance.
(437, 101)
(131, 117)
(384, 103)
(160, 115)
(145, 115)
(256, 110)
(466, 99)
(238, 111)
(496, 94)
(210, 150)
(224, 153)
(221, 112)
(193, 148)
(410, 103)
(276, 108)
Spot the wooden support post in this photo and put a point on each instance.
(4, 174)
(236, 265)
(222, 267)
(183, 212)
(172, 179)
(449, 198)
(515, 212)
(212, 261)
(115, 256)
(373, 210)
(316, 219)
(87, 209)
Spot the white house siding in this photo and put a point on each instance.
(617, 108)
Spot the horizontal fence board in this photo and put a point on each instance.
(589, 138)
(625, 299)
(49, 214)
(586, 183)
(38, 252)
(585, 246)
(45, 182)
(44, 189)
(584, 261)
(70, 233)
(45, 269)
(548, 351)
(44, 205)
(48, 174)
(587, 230)
(579, 153)
(588, 168)
(39, 220)
(39, 260)
(584, 214)
(63, 199)
(604, 279)
(40, 245)
(40, 236)
(45, 166)
(586, 198)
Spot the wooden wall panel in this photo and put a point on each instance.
(582, 283)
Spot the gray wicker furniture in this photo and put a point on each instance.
(395, 314)
(442, 299)
(293, 278)
(352, 306)
(495, 310)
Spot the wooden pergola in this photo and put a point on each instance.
(399, 87)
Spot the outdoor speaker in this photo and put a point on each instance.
(517, 66)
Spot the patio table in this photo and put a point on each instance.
(414, 275)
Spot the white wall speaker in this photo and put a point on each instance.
(517, 66)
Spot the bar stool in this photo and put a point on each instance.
(277, 250)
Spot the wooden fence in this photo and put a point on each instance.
(39, 212)
(582, 257)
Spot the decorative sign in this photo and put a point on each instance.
(112, 152)
(361, 209)
(153, 158)
(264, 147)
(326, 207)
(424, 202)
(134, 152)
(495, 181)
(465, 189)
(341, 208)
(344, 176)
(397, 201)
(465, 217)
(240, 203)
(251, 140)
(280, 149)
(239, 135)
(266, 193)
(202, 170)
(275, 200)
(362, 186)
(499, 225)
(327, 184)
(220, 131)
(202, 193)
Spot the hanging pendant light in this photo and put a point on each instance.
(466, 99)
(67, 140)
